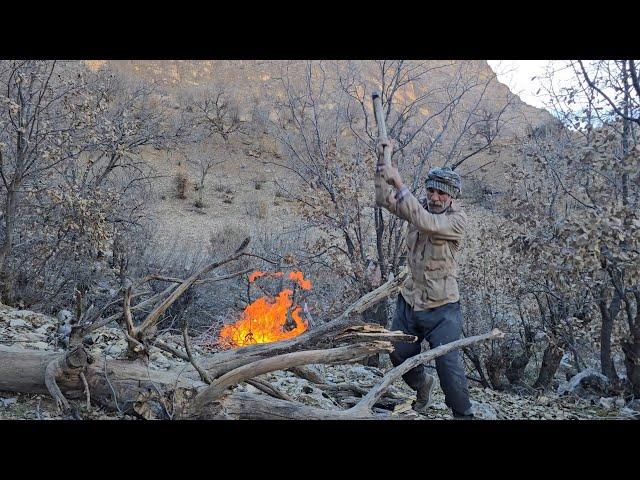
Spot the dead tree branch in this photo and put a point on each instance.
(282, 362)
(374, 394)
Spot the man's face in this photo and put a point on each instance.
(438, 200)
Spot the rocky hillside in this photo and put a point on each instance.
(254, 82)
(233, 201)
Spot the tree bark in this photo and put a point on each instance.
(608, 317)
(116, 384)
(632, 363)
(550, 363)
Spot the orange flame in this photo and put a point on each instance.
(299, 277)
(264, 320)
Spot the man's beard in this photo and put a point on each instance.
(436, 207)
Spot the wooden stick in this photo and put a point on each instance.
(126, 312)
(368, 332)
(150, 301)
(168, 348)
(86, 389)
(203, 280)
(269, 389)
(382, 127)
(187, 346)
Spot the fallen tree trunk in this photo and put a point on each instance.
(247, 406)
(115, 384)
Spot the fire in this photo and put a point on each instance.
(265, 319)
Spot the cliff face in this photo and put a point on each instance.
(257, 82)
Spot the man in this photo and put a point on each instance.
(428, 304)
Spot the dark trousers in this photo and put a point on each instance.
(438, 325)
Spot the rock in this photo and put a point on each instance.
(565, 362)
(606, 402)
(619, 402)
(628, 412)
(39, 345)
(634, 405)
(33, 337)
(540, 337)
(15, 322)
(439, 406)
(5, 402)
(159, 360)
(115, 350)
(43, 330)
(585, 383)
(483, 410)
(64, 316)
(542, 400)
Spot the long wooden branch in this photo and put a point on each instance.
(375, 393)
(383, 291)
(282, 362)
(162, 345)
(269, 389)
(150, 301)
(187, 346)
(243, 405)
(370, 331)
(203, 280)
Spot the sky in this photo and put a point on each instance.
(518, 74)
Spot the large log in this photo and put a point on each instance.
(115, 384)
(247, 406)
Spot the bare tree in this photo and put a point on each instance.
(215, 110)
(36, 126)
(203, 157)
(80, 171)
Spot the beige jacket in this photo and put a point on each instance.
(433, 240)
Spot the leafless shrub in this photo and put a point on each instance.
(181, 182)
(263, 209)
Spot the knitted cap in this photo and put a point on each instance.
(444, 179)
